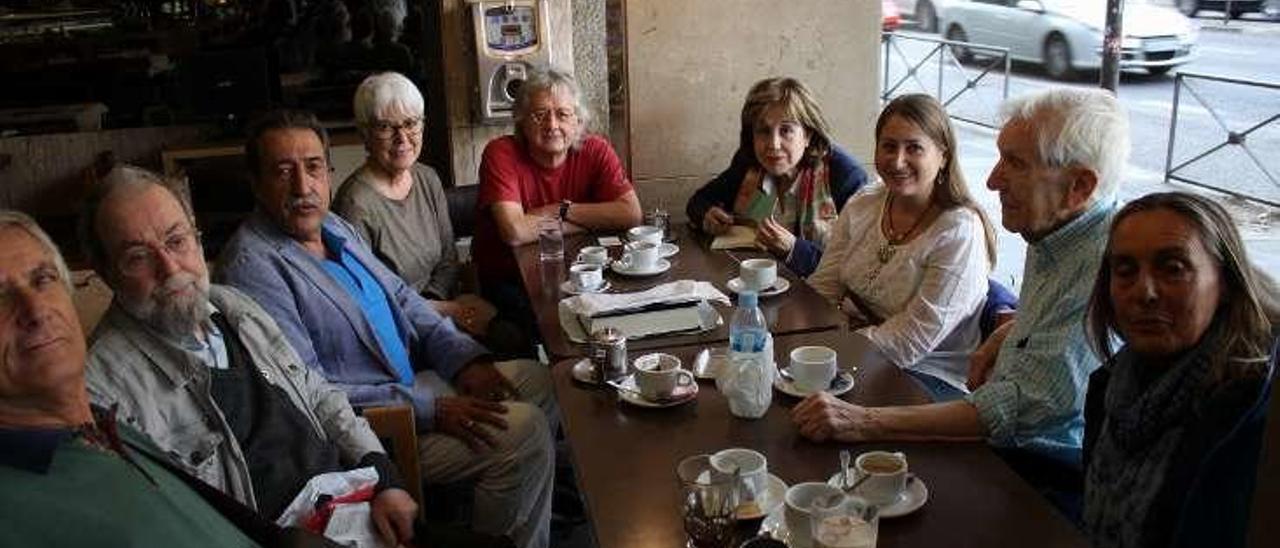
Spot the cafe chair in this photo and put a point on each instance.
(395, 428)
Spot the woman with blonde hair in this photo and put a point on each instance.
(908, 260)
(787, 177)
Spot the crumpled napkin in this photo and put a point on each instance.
(591, 304)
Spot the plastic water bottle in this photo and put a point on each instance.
(748, 382)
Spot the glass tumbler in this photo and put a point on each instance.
(550, 239)
(708, 500)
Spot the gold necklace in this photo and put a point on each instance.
(894, 238)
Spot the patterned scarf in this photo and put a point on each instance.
(816, 209)
(1148, 410)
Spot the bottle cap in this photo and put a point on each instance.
(747, 299)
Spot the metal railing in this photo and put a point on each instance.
(1233, 138)
(943, 53)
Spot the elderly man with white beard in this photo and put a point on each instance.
(206, 373)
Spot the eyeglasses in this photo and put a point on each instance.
(387, 130)
(564, 115)
(142, 258)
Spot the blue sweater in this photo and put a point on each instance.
(846, 178)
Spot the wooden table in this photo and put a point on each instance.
(625, 458)
(799, 310)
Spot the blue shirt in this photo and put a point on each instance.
(351, 274)
(1034, 399)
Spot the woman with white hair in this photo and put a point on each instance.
(398, 204)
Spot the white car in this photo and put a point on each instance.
(1065, 36)
(923, 12)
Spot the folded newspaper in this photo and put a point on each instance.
(678, 292)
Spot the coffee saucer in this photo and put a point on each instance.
(629, 392)
(568, 287)
(913, 497)
(780, 286)
(839, 385)
(668, 249)
(775, 491)
(661, 266)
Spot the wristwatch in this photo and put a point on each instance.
(564, 210)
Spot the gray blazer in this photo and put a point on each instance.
(326, 325)
(164, 392)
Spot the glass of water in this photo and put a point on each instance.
(708, 500)
(550, 239)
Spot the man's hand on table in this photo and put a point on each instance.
(716, 221)
(393, 512)
(775, 238)
(823, 417)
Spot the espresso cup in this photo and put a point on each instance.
(753, 471)
(586, 276)
(658, 375)
(799, 509)
(758, 274)
(812, 368)
(640, 256)
(645, 233)
(886, 476)
(593, 254)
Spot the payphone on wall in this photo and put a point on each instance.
(511, 39)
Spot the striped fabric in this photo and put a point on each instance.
(1035, 396)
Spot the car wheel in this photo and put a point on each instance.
(961, 53)
(1189, 7)
(1158, 71)
(1057, 58)
(926, 16)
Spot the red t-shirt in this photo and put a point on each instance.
(592, 173)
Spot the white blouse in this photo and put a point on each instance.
(930, 291)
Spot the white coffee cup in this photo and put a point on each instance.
(658, 375)
(593, 254)
(640, 256)
(752, 467)
(888, 476)
(586, 276)
(758, 274)
(812, 367)
(800, 498)
(645, 233)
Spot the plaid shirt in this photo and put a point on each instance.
(1035, 396)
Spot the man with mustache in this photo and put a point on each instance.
(205, 372)
(70, 474)
(370, 333)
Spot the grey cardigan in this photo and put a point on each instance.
(164, 392)
(326, 325)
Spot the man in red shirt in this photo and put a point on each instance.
(549, 167)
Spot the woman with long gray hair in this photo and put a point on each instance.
(1173, 420)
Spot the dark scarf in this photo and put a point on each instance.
(1149, 408)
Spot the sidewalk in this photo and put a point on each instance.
(978, 154)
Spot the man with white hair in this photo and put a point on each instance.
(1062, 154)
(550, 166)
(70, 474)
(203, 370)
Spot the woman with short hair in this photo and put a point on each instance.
(398, 204)
(787, 177)
(1174, 418)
